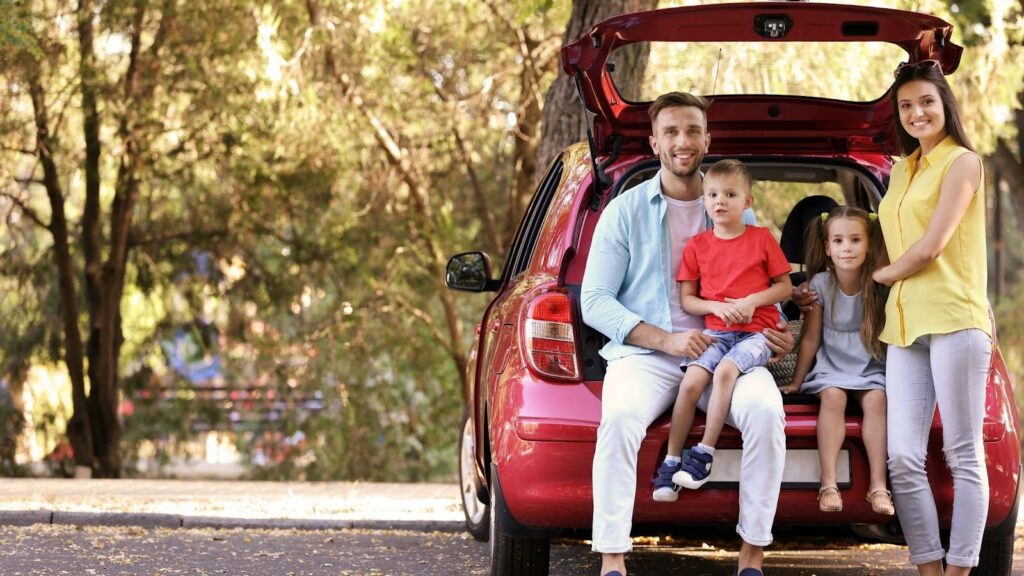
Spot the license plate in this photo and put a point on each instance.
(803, 469)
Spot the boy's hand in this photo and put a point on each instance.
(726, 312)
(804, 297)
(791, 388)
(745, 307)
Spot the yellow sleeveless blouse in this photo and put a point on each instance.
(949, 294)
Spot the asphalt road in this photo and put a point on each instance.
(43, 550)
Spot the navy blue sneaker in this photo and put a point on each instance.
(696, 469)
(664, 489)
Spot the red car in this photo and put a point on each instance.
(534, 400)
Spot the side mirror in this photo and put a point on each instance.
(470, 271)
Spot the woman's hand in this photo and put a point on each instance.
(883, 276)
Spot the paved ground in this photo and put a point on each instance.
(155, 527)
(116, 551)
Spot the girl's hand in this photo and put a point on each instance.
(744, 307)
(791, 388)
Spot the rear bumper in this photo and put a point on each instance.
(546, 475)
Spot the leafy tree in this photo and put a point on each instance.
(294, 174)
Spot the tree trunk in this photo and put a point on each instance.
(1008, 167)
(79, 430)
(563, 122)
(527, 135)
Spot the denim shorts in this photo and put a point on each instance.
(747, 350)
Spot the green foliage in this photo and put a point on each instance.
(301, 187)
(16, 31)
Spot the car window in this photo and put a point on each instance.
(774, 200)
(529, 229)
(850, 71)
(779, 185)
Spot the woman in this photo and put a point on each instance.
(937, 324)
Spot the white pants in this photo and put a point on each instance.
(641, 387)
(950, 370)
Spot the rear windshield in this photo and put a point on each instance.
(850, 71)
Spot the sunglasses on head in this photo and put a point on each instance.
(920, 64)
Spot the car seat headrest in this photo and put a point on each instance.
(794, 231)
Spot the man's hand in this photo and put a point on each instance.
(804, 297)
(780, 341)
(691, 343)
(726, 312)
(745, 308)
(791, 388)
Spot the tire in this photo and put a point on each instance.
(477, 512)
(513, 555)
(997, 546)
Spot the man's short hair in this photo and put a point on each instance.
(731, 167)
(673, 99)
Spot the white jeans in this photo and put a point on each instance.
(638, 389)
(951, 370)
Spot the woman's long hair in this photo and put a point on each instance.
(874, 293)
(929, 71)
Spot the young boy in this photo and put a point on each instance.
(741, 273)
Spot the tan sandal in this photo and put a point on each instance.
(881, 502)
(829, 499)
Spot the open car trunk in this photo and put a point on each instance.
(755, 123)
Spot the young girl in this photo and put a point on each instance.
(841, 333)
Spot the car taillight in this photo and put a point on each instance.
(550, 340)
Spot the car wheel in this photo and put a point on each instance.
(477, 512)
(997, 546)
(513, 555)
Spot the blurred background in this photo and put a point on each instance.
(225, 222)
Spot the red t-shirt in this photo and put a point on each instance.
(734, 268)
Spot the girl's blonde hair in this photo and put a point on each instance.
(874, 293)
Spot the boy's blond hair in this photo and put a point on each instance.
(731, 167)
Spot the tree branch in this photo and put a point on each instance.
(134, 240)
(420, 315)
(25, 151)
(491, 232)
(25, 209)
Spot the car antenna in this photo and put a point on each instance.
(601, 178)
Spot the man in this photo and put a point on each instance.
(629, 293)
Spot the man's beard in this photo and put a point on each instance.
(668, 163)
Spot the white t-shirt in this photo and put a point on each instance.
(685, 219)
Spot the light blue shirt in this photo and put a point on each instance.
(629, 272)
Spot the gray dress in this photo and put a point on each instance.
(842, 359)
